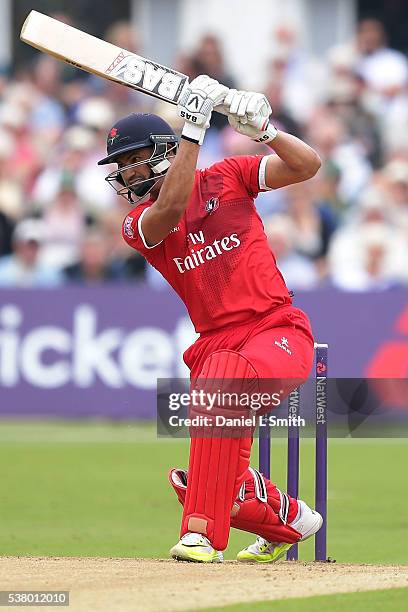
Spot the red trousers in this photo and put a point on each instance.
(260, 341)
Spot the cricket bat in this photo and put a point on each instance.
(102, 58)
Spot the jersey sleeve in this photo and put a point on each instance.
(133, 234)
(244, 174)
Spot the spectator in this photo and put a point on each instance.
(370, 251)
(313, 222)
(23, 160)
(396, 176)
(6, 231)
(344, 100)
(379, 261)
(97, 116)
(383, 74)
(384, 70)
(124, 262)
(327, 186)
(47, 118)
(282, 117)
(64, 225)
(302, 77)
(335, 145)
(93, 265)
(11, 188)
(77, 157)
(208, 58)
(123, 34)
(23, 267)
(298, 271)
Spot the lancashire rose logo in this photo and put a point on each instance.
(112, 135)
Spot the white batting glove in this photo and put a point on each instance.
(248, 113)
(196, 105)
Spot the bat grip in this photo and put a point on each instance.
(219, 109)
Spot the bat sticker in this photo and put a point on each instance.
(154, 78)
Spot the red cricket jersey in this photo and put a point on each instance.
(217, 258)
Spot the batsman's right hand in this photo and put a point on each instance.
(249, 113)
(196, 104)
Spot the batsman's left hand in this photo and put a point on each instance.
(196, 105)
(248, 113)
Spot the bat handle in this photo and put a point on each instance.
(221, 110)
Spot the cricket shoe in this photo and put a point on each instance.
(196, 548)
(307, 522)
(262, 551)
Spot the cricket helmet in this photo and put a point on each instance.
(137, 131)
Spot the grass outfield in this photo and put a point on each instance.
(390, 599)
(101, 490)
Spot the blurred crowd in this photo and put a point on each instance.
(60, 221)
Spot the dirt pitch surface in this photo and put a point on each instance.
(127, 585)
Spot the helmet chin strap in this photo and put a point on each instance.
(142, 190)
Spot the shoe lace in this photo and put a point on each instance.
(264, 545)
(201, 539)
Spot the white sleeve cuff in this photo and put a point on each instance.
(262, 173)
(139, 228)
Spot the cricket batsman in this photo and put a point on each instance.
(201, 231)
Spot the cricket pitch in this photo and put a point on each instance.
(101, 584)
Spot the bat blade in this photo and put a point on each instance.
(102, 58)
